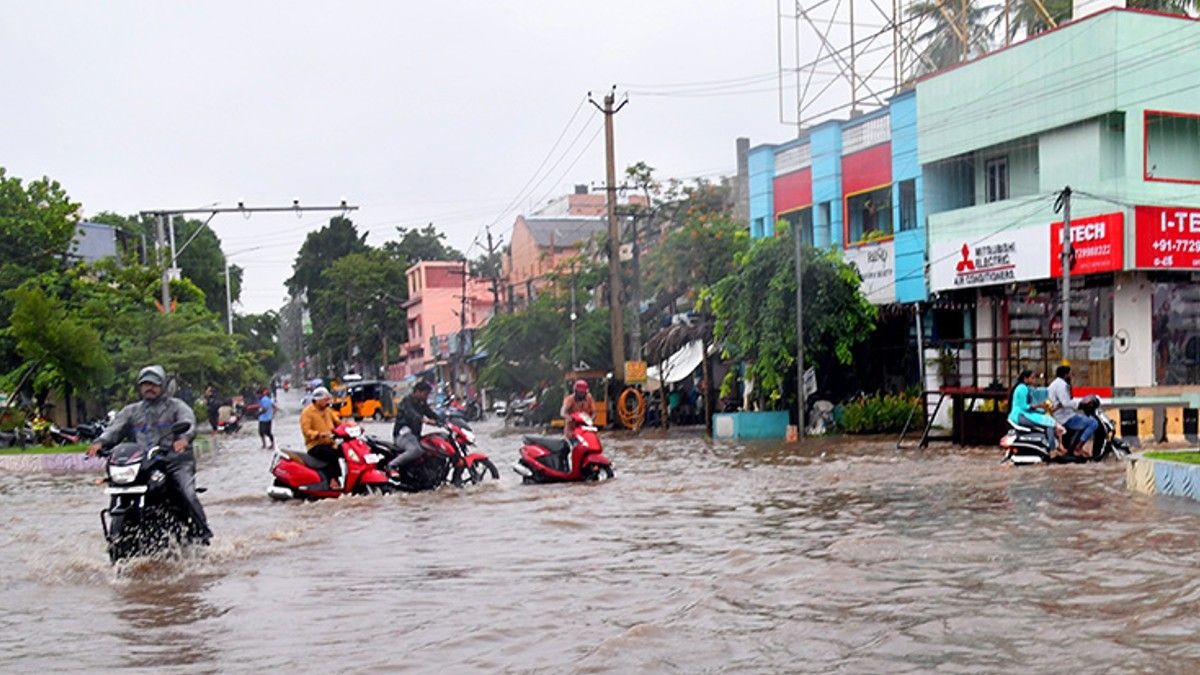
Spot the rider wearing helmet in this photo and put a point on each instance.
(145, 422)
(578, 401)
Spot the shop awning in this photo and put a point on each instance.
(677, 367)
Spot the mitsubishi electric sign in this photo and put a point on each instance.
(1019, 254)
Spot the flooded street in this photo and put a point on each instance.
(699, 557)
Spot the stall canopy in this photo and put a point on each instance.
(677, 367)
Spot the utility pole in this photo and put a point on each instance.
(616, 318)
(1064, 201)
(800, 393)
(635, 331)
(228, 300)
(166, 281)
(574, 317)
(491, 249)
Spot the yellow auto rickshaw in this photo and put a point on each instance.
(361, 400)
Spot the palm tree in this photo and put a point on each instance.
(1183, 7)
(1025, 18)
(959, 31)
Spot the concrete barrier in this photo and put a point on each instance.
(1162, 477)
(750, 425)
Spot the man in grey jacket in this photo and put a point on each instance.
(146, 422)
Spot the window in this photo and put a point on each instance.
(801, 216)
(995, 175)
(908, 205)
(1172, 147)
(757, 230)
(870, 214)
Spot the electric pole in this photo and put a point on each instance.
(801, 395)
(635, 331)
(491, 249)
(166, 281)
(616, 318)
(1064, 201)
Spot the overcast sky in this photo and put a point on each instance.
(416, 111)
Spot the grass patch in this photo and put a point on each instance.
(43, 450)
(1185, 457)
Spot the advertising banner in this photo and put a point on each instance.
(1012, 255)
(1168, 237)
(876, 264)
(1099, 243)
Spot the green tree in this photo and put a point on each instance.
(360, 306)
(420, 244)
(259, 334)
(755, 313)
(62, 353)
(38, 224)
(320, 249)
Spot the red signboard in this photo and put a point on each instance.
(1168, 237)
(1099, 243)
(867, 169)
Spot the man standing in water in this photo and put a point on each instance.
(145, 422)
(267, 408)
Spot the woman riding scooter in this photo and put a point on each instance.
(1021, 412)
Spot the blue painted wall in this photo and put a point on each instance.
(762, 190)
(827, 183)
(910, 244)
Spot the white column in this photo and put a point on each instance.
(1133, 348)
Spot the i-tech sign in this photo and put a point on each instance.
(1168, 237)
(1015, 255)
(1098, 242)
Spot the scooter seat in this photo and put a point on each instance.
(551, 443)
(307, 460)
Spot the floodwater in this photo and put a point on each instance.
(698, 557)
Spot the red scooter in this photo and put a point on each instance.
(299, 475)
(548, 459)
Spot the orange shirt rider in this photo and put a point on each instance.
(579, 401)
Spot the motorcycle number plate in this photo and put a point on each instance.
(135, 490)
(372, 458)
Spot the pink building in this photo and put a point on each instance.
(435, 290)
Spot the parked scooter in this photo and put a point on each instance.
(1031, 445)
(550, 459)
(299, 475)
(145, 515)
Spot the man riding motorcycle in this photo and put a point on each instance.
(145, 422)
(412, 413)
(1064, 411)
(578, 401)
(317, 422)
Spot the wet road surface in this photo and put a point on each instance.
(699, 557)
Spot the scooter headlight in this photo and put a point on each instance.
(122, 475)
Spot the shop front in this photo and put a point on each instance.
(1134, 314)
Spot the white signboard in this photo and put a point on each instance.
(1018, 254)
(876, 264)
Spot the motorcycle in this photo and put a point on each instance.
(549, 459)
(521, 411)
(298, 475)
(145, 516)
(231, 424)
(447, 459)
(1031, 445)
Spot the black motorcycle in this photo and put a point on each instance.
(1031, 445)
(145, 515)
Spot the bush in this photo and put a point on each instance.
(877, 414)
